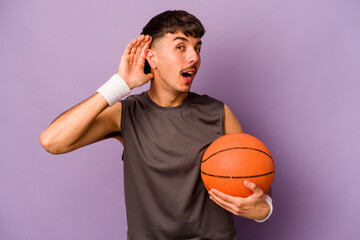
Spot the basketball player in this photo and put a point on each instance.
(165, 131)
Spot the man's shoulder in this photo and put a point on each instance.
(134, 97)
(133, 100)
(203, 99)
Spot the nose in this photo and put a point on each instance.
(193, 56)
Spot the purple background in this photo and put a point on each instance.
(288, 69)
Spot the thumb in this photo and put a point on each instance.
(253, 187)
(150, 76)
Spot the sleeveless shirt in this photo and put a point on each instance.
(164, 195)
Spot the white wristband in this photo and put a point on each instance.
(269, 201)
(114, 89)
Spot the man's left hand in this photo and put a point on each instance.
(253, 207)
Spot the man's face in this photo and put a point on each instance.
(178, 60)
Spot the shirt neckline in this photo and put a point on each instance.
(152, 103)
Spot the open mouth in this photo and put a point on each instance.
(189, 74)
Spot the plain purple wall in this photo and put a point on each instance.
(288, 69)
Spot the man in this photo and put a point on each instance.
(165, 131)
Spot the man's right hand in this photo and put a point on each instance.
(92, 120)
(132, 63)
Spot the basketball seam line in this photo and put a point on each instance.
(227, 149)
(238, 177)
(267, 190)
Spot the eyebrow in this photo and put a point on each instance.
(185, 39)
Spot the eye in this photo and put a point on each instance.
(180, 47)
(197, 50)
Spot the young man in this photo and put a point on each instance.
(165, 131)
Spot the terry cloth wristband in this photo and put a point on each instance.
(269, 201)
(114, 89)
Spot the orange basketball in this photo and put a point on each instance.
(233, 158)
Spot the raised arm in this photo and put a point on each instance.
(99, 116)
(81, 125)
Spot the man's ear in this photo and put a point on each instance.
(151, 57)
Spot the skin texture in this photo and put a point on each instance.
(169, 57)
(172, 55)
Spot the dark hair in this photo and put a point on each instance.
(172, 22)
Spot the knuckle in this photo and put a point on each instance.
(238, 205)
(237, 212)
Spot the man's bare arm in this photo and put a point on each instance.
(85, 123)
(93, 120)
(231, 124)
(253, 207)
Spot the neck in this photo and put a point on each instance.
(165, 98)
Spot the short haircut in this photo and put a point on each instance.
(171, 22)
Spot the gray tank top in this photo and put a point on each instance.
(164, 194)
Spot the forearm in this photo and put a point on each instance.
(68, 128)
(93, 119)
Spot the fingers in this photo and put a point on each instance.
(146, 46)
(150, 76)
(132, 63)
(254, 188)
(224, 206)
(130, 46)
(143, 39)
(230, 203)
(253, 207)
(224, 197)
(136, 48)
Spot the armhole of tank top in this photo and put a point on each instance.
(222, 118)
(122, 119)
(122, 123)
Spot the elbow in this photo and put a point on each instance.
(48, 144)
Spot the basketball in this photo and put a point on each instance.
(233, 158)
